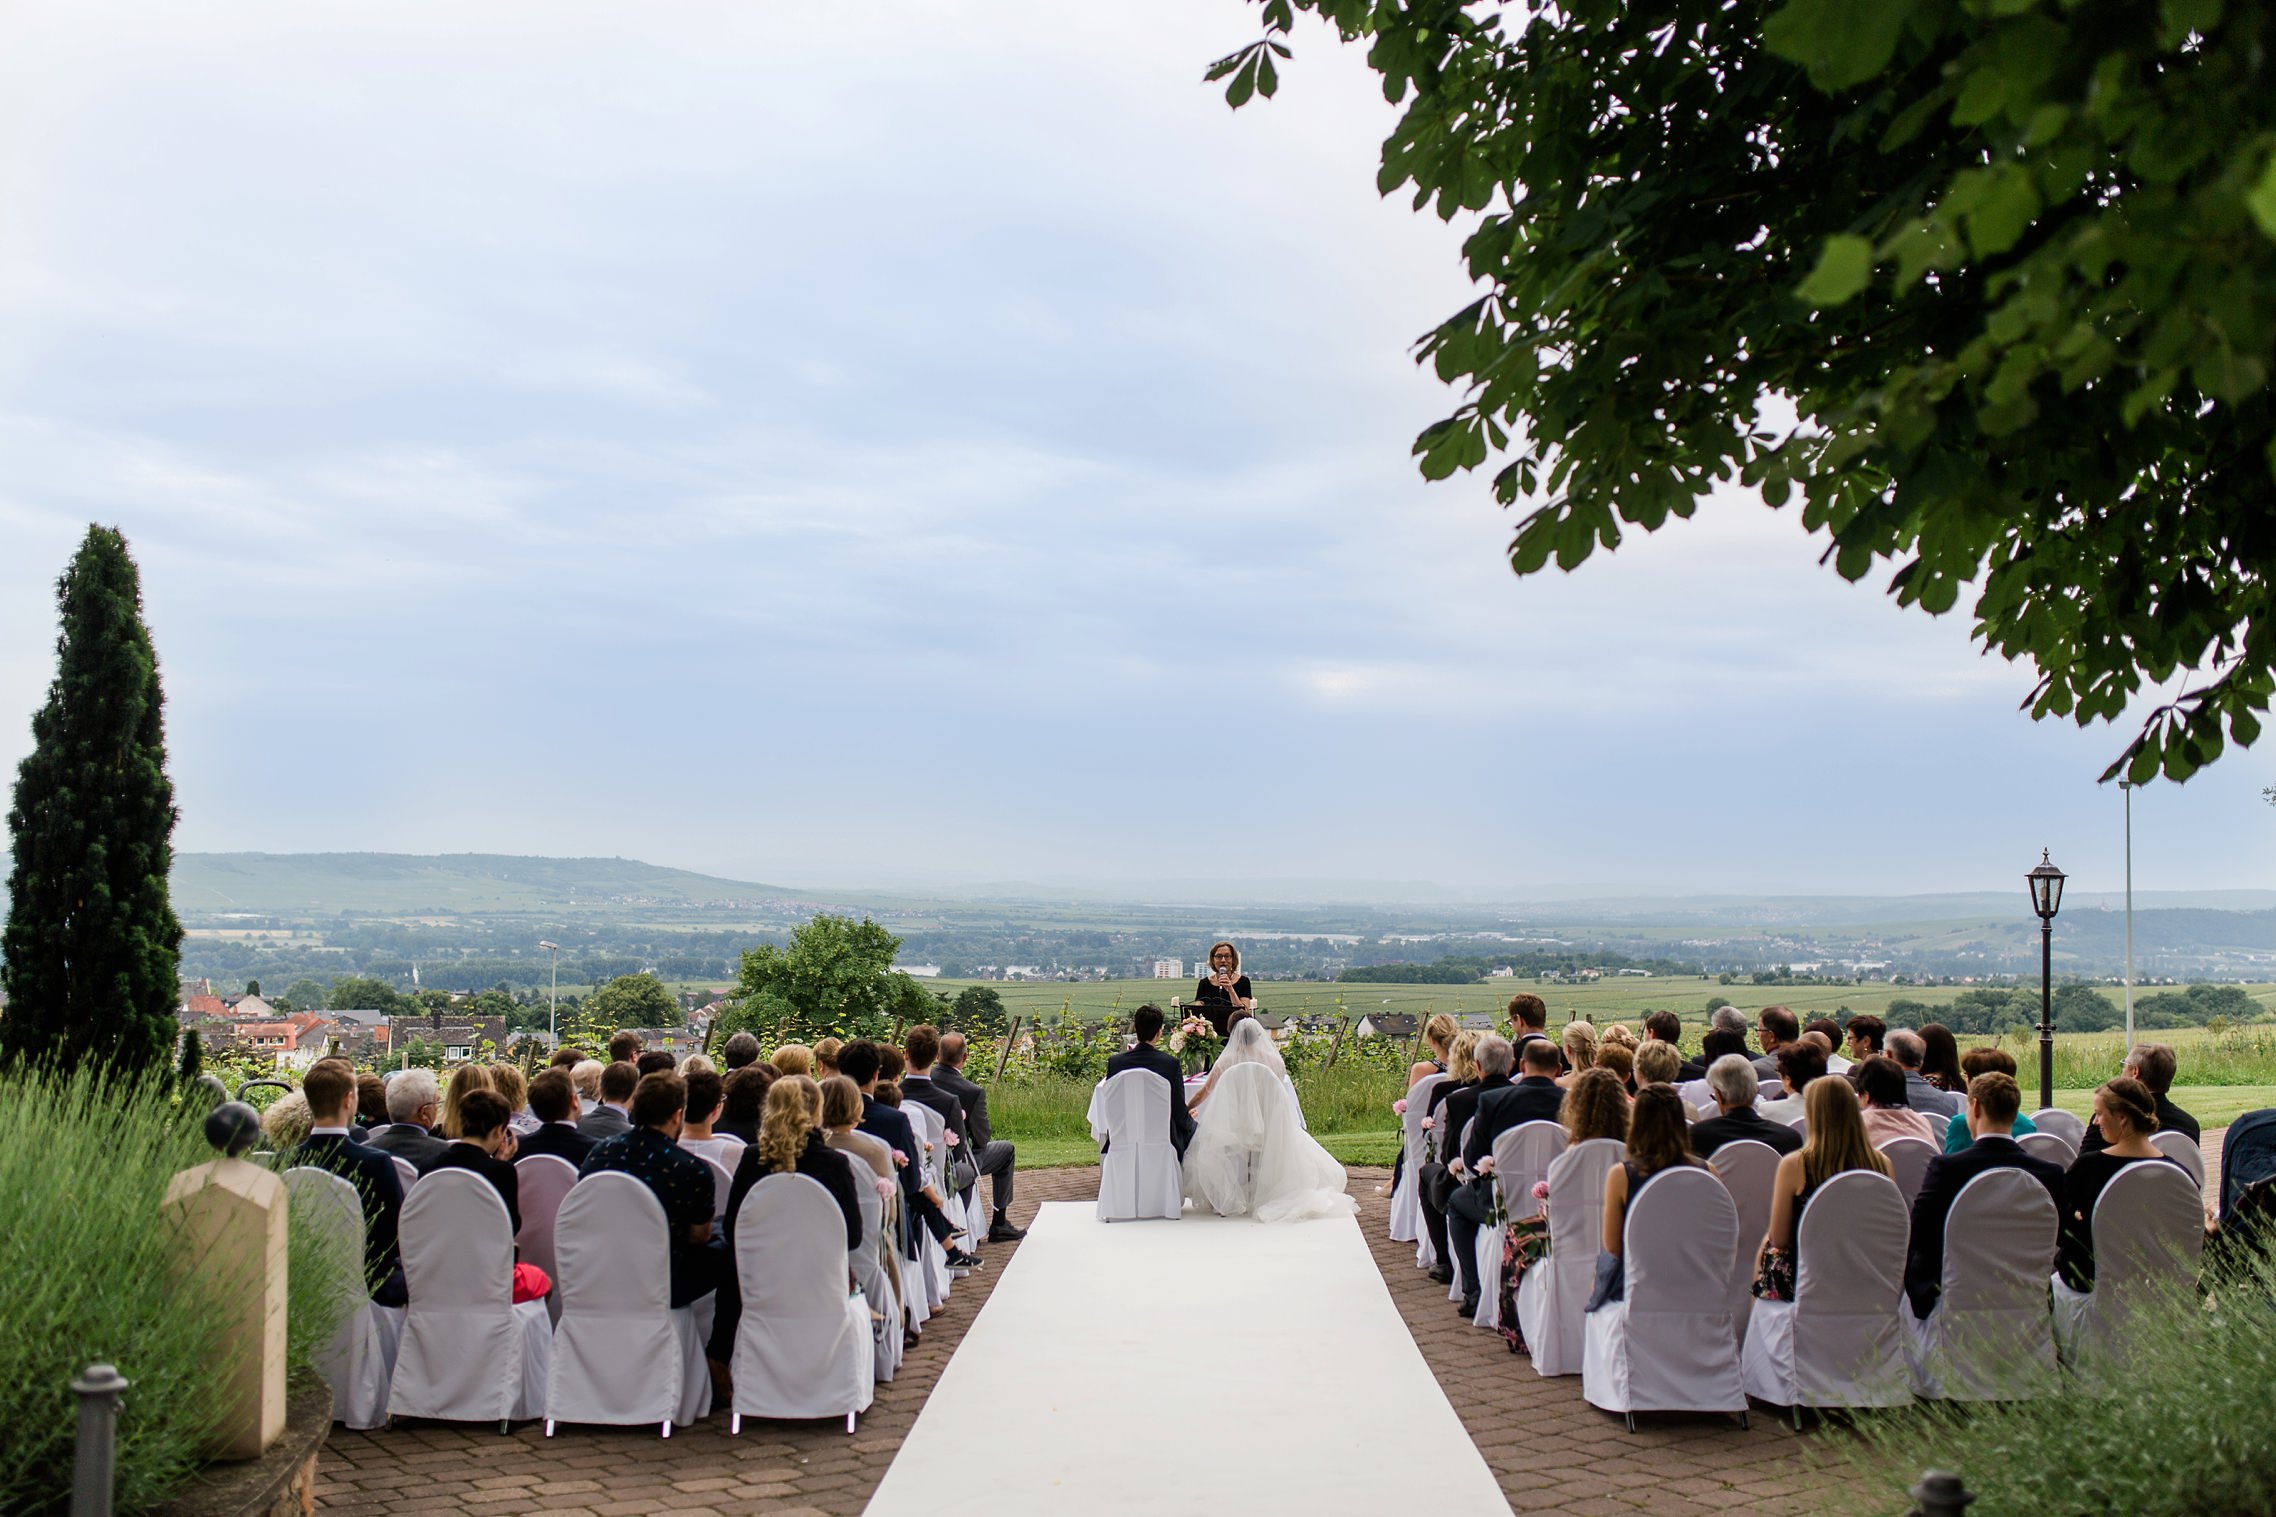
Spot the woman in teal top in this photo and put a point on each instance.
(1982, 1061)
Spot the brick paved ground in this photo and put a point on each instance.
(1550, 1449)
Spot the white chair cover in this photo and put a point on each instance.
(1669, 1346)
(722, 1181)
(1138, 1174)
(1747, 1169)
(926, 1123)
(1554, 1291)
(2149, 1228)
(406, 1174)
(2051, 1146)
(540, 1181)
(2068, 1126)
(1406, 1201)
(621, 1355)
(469, 1353)
(1908, 1163)
(2181, 1148)
(361, 1355)
(803, 1348)
(1837, 1342)
(869, 1260)
(1522, 1156)
(1989, 1338)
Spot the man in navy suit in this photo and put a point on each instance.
(1146, 1026)
(330, 1086)
(1993, 1100)
(553, 1101)
(858, 1062)
(1535, 1097)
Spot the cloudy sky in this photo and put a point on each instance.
(923, 444)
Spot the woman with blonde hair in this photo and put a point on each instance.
(463, 1082)
(1618, 1035)
(790, 1142)
(1836, 1144)
(793, 1059)
(826, 1057)
(285, 1121)
(509, 1081)
(1579, 1043)
(1438, 1033)
(1657, 1063)
(697, 1063)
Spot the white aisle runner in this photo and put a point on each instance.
(1192, 1367)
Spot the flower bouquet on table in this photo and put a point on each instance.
(1195, 1044)
(1525, 1243)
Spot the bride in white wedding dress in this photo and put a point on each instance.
(1250, 1155)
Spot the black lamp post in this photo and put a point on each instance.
(2046, 884)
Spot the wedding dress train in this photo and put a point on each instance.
(1250, 1155)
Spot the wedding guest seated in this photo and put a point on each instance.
(1733, 1082)
(1921, 1094)
(1620, 1058)
(1494, 1059)
(990, 1157)
(1664, 1027)
(1579, 1043)
(794, 1059)
(649, 1151)
(624, 1047)
(510, 1083)
(1775, 1027)
(486, 1145)
(655, 1062)
(697, 1063)
(569, 1057)
(860, 1061)
(891, 1064)
(332, 1093)
(841, 1129)
(1146, 1027)
(1958, 1132)
(742, 1099)
(371, 1104)
(553, 1101)
(414, 1105)
(1595, 1106)
(790, 1142)
(585, 1074)
(705, 1092)
(1799, 1063)
(2125, 1114)
(1830, 1030)
(1720, 1043)
(740, 1051)
(463, 1082)
(1866, 1037)
(826, 1058)
(1657, 1140)
(1438, 1035)
(285, 1122)
(1880, 1083)
(1533, 1097)
(611, 1115)
(1528, 1016)
(1941, 1067)
(1837, 1144)
(2154, 1065)
(1657, 1063)
(1994, 1102)
(1433, 1176)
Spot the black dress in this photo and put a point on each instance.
(2083, 1184)
(1213, 1001)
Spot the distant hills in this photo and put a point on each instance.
(327, 883)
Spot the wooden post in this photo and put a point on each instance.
(231, 1220)
(1335, 1044)
(1005, 1052)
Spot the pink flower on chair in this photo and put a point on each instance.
(885, 1187)
(1429, 1123)
(1485, 1165)
(1400, 1106)
(900, 1158)
(1540, 1190)
(951, 1139)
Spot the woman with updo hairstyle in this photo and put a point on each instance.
(464, 1081)
(1439, 1033)
(1595, 1107)
(1579, 1043)
(794, 1059)
(2125, 1113)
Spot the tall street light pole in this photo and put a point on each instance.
(2127, 788)
(2046, 882)
(553, 1003)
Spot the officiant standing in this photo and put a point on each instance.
(1224, 990)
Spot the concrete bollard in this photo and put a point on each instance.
(95, 1458)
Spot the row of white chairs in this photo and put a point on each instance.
(463, 1350)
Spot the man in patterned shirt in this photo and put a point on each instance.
(651, 1154)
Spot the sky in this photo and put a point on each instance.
(930, 445)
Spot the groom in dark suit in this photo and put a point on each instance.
(1146, 1024)
(1993, 1100)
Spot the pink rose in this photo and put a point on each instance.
(900, 1158)
(1540, 1190)
(1485, 1165)
(1400, 1106)
(1429, 1123)
(951, 1140)
(885, 1187)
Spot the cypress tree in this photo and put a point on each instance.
(92, 947)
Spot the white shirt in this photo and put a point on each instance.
(1785, 1111)
(721, 1149)
(1836, 1064)
(327, 1132)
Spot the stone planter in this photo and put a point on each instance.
(282, 1482)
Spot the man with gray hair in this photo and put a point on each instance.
(414, 1099)
(741, 1049)
(1910, 1050)
(1733, 1083)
